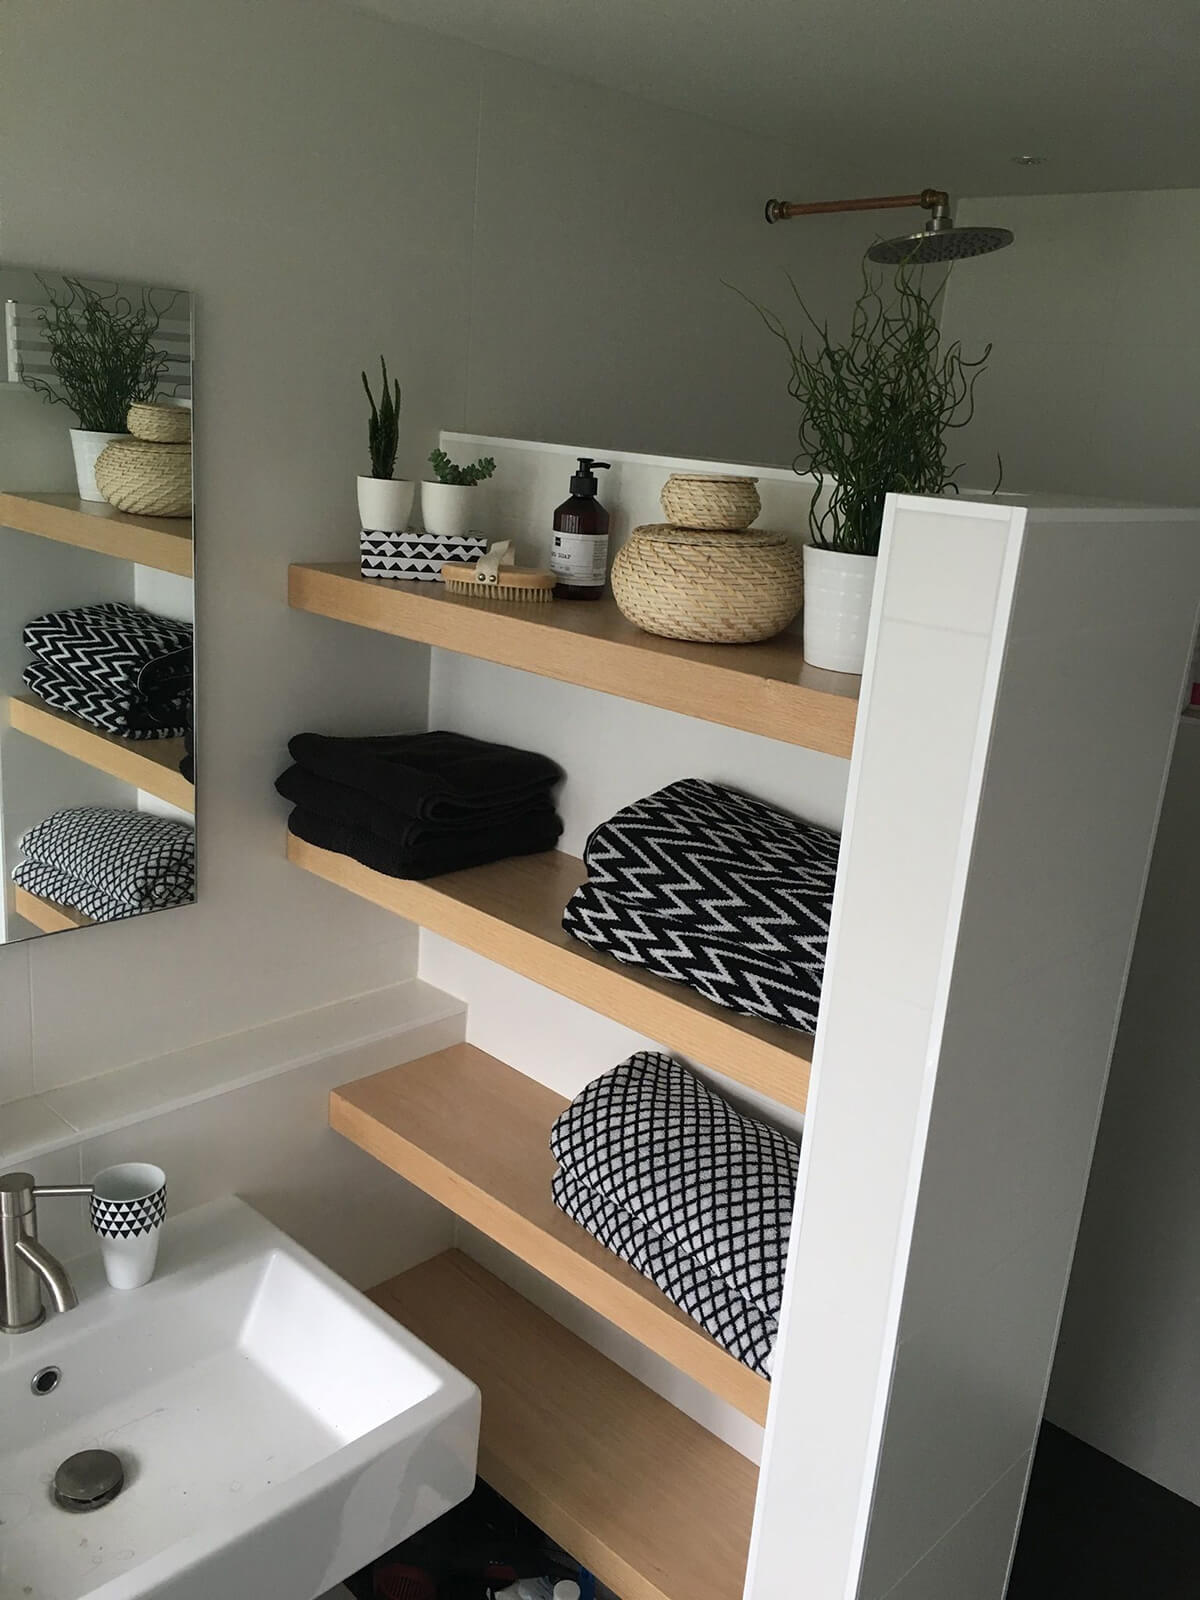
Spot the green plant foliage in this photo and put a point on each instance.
(447, 471)
(101, 347)
(877, 408)
(383, 426)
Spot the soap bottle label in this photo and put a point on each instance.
(580, 559)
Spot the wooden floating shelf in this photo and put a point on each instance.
(493, 1168)
(511, 912)
(762, 688)
(45, 914)
(162, 542)
(655, 1505)
(149, 764)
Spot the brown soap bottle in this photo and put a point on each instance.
(579, 546)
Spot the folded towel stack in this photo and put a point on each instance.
(694, 1195)
(115, 667)
(717, 890)
(109, 863)
(413, 805)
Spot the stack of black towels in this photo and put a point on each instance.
(115, 666)
(413, 805)
(709, 887)
(694, 1195)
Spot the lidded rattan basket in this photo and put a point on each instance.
(146, 478)
(709, 586)
(706, 500)
(160, 424)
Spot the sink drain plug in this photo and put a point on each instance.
(88, 1480)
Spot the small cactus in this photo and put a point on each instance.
(383, 429)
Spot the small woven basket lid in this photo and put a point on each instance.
(747, 538)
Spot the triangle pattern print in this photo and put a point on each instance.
(717, 890)
(415, 555)
(128, 1219)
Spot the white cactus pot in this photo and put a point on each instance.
(87, 447)
(837, 608)
(385, 504)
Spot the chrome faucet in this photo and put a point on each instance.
(26, 1266)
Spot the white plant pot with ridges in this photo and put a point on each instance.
(86, 447)
(837, 607)
(385, 504)
(449, 510)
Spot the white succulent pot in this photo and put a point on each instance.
(385, 504)
(450, 510)
(837, 608)
(86, 447)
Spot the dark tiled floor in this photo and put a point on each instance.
(1094, 1530)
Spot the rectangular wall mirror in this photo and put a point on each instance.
(97, 674)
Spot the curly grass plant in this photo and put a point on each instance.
(101, 348)
(875, 409)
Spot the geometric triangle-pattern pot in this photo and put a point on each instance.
(128, 1219)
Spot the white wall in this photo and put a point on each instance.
(534, 255)
(1092, 388)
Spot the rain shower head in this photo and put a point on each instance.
(938, 241)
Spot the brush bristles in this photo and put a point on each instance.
(502, 592)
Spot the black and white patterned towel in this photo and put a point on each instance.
(712, 888)
(51, 884)
(128, 716)
(130, 858)
(115, 647)
(734, 1322)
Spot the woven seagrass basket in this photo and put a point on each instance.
(704, 500)
(712, 587)
(160, 424)
(145, 478)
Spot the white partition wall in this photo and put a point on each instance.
(1016, 722)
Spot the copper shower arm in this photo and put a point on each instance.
(931, 199)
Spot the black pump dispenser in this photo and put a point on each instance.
(584, 482)
(579, 546)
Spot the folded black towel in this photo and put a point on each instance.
(115, 646)
(129, 716)
(454, 852)
(712, 888)
(442, 777)
(131, 858)
(695, 1195)
(187, 765)
(358, 809)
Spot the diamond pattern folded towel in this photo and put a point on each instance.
(129, 858)
(695, 1195)
(437, 777)
(357, 809)
(708, 887)
(453, 853)
(51, 884)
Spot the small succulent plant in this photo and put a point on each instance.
(383, 428)
(447, 471)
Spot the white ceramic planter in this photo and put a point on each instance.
(385, 504)
(86, 448)
(450, 510)
(837, 608)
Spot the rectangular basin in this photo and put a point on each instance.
(277, 1431)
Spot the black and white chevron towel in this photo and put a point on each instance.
(115, 666)
(415, 555)
(107, 862)
(692, 1194)
(712, 888)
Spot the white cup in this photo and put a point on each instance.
(128, 1209)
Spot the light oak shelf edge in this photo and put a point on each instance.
(765, 688)
(161, 542)
(511, 912)
(493, 1169)
(46, 914)
(654, 1504)
(150, 764)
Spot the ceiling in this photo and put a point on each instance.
(890, 93)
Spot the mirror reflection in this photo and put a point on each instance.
(97, 765)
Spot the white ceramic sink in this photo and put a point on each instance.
(276, 1429)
